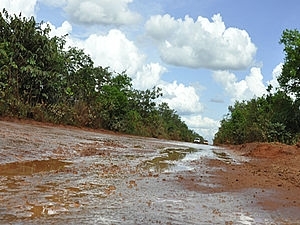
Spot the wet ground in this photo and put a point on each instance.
(63, 175)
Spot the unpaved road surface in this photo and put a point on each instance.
(64, 175)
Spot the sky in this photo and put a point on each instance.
(204, 54)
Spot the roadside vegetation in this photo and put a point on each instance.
(274, 117)
(42, 79)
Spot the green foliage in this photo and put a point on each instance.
(41, 80)
(31, 64)
(290, 76)
(274, 117)
(271, 118)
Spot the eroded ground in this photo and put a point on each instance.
(63, 175)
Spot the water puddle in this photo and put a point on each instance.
(31, 167)
(170, 160)
(223, 156)
(228, 157)
(179, 159)
(113, 179)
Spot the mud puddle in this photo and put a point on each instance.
(31, 167)
(61, 175)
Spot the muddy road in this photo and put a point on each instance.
(63, 175)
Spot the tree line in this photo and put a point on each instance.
(274, 117)
(42, 79)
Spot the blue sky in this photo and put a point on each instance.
(204, 54)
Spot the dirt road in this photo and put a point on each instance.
(65, 175)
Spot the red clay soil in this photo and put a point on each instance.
(271, 166)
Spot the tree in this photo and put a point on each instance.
(275, 116)
(31, 62)
(289, 79)
(42, 80)
(80, 80)
(268, 118)
(114, 97)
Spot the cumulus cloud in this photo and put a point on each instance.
(102, 12)
(26, 7)
(114, 50)
(186, 102)
(199, 121)
(65, 28)
(184, 99)
(204, 126)
(245, 89)
(120, 54)
(201, 43)
(231, 85)
(275, 74)
(255, 82)
(148, 76)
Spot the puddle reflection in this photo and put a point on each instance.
(223, 156)
(31, 167)
(168, 159)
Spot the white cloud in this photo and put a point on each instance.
(275, 74)
(120, 54)
(245, 89)
(183, 99)
(114, 50)
(65, 28)
(186, 102)
(204, 126)
(148, 76)
(201, 43)
(232, 87)
(26, 7)
(255, 82)
(199, 121)
(101, 12)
